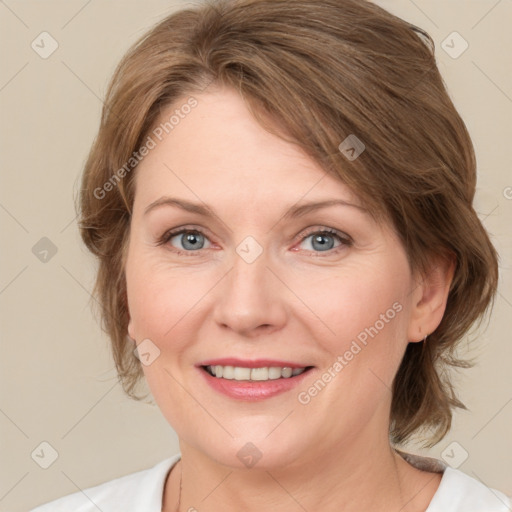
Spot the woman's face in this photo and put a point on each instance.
(261, 281)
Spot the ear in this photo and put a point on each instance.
(430, 297)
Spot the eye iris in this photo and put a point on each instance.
(321, 239)
(191, 238)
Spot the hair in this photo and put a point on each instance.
(312, 72)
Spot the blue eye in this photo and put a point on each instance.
(193, 240)
(321, 241)
(324, 240)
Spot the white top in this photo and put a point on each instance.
(143, 491)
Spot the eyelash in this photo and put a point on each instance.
(345, 240)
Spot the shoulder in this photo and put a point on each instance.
(141, 491)
(459, 492)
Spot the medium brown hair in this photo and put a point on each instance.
(321, 71)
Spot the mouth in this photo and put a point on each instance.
(258, 374)
(252, 380)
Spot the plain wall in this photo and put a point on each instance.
(58, 382)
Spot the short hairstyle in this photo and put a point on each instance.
(320, 71)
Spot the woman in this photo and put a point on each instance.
(280, 198)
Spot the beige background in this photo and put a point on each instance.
(57, 378)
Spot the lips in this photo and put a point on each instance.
(252, 380)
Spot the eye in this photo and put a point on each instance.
(185, 240)
(324, 241)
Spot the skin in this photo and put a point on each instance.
(294, 302)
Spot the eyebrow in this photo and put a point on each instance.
(292, 212)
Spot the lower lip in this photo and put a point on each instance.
(253, 390)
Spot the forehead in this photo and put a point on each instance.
(217, 150)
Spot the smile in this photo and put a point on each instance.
(253, 374)
(252, 380)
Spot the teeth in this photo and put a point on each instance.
(242, 373)
(286, 373)
(274, 373)
(257, 374)
(228, 372)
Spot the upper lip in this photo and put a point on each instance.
(252, 363)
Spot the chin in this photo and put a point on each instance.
(257, 448)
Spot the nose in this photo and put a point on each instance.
(251, 298)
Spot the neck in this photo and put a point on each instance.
(362, 476)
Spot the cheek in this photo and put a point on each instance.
(365, 315)
(167, 306)
(360, 318)
(163, 306)
(354, 301)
